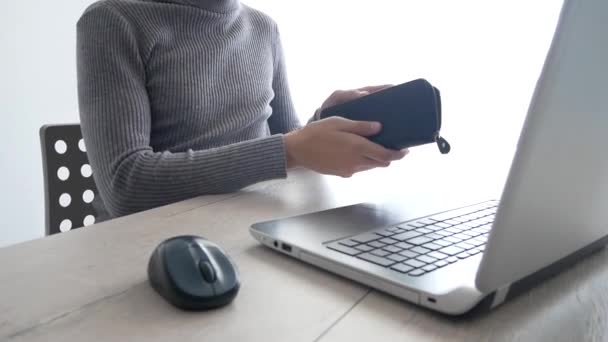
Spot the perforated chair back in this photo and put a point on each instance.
(68, 181)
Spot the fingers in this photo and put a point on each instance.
(380, 154)
(342, 96)
(373, 89)
(366, 163)
(362, 128)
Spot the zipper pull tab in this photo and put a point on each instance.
(444, 146)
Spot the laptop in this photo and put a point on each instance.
(553, 210)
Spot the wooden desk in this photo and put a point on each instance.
(91, 284)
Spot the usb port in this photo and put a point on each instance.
(286, 247)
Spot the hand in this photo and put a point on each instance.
(341, 96)
(337, 146)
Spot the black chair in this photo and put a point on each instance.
(68, 181)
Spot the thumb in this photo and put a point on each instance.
(363, 128)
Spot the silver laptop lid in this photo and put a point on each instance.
(556, 197)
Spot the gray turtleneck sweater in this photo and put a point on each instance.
(180, 98)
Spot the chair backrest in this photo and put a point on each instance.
(68, 179)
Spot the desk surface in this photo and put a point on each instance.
(90, 284)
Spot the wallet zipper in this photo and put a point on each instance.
(444, 145)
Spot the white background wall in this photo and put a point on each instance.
(484, 56)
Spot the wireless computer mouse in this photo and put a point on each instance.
(193, 273)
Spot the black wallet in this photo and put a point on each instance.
(410, 114)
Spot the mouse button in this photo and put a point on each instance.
(207, 271)
(183, 270)
(226, 272)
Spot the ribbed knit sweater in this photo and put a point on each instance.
(180, 98)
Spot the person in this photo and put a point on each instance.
(181, 98)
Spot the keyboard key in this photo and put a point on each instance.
(419, 240)
(463, 226)
(429, 268)
(349, 243)
(437, 255)
(420, 250)
(441, 263)
(406, 227)
(392, 229)
(442, 243)
(482, 229)
(416, 273)
(487, 220)
(453, 230)
(434, 227)
(402, 268)
(477, 223)
(367, 237)
(443, 233)
(414, 263)
(424, 230)
(468, 217)
(427, 259)
(403, 245)
(478, 231)
(376, 244)
(463, 255)
(452, 222)
(388, 241)
(432, 246)
(475, 242)
(485, 228)
(364, 248)
(481, 239)
(417, 224)
(470, 233)
(464, 245)
(452, 239)
(392, 249)
(427, 221)
(344, 249)
(474, 251)
(466, 225)
(376, 259)
(451, 259)
(442, 225)
(461, 236)
(409, 254)
(451, 214)
(385, 233)
(406, 235)
(481, 248)
(380, 252)
(397, 257)
(434, 236)
(451, 250)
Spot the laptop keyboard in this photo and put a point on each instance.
(424, 245)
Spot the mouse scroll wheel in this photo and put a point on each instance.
(207, 271)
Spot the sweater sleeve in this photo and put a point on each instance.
(283, 118)
(116, 123)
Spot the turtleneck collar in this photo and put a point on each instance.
(217, 6)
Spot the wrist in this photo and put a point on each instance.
(290, 147)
